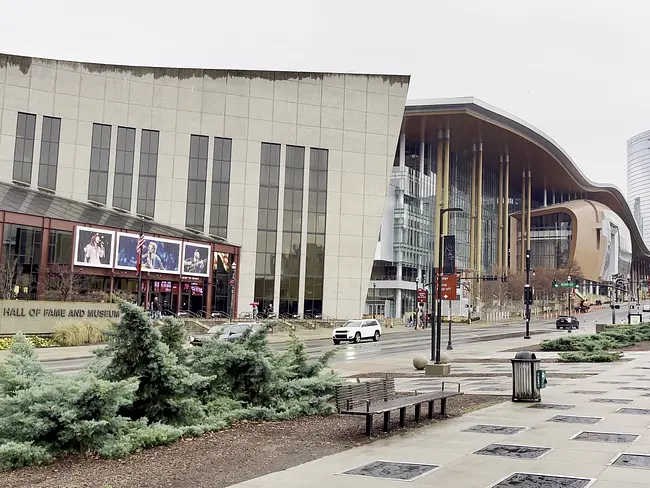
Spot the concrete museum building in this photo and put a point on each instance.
(313, 193)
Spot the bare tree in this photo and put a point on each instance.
(60, 282)
(8, 272)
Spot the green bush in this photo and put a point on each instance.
(144, 389)
(596, 347)
(79, 332)
(18, 454)
(587, 357)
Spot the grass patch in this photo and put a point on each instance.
(79, 332)
(596, 348)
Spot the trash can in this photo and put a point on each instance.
(527, 378)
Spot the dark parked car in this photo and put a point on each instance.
(225, 332)
(566, 322)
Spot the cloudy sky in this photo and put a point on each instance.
(576, 69)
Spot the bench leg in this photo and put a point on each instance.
(430, 410)
(402, 416)
(418, 409)
(443, 406)
(386, 421)
(369, 425)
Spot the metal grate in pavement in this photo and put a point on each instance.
(552, 406)
(613, 437)
(534, 480)
(634, 411)
(574, 419)
(620, 401)
(633, 461)
(393, 470)
(495, 429)
(513, 451)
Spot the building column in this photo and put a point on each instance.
(545, 193)
(439, 199)
(479, 212)
(398, 293)
(445, 183)
(402, 150)
(522, 212)
(472, 214)
(505, 239)
(500, 217)
(553, 197)
(530, 205)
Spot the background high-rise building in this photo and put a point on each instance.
(638, 181)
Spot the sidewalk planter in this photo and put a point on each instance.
(527, 378)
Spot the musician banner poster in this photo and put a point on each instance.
(94, 247)
(196, 259)
(222, 263)
(158, 256)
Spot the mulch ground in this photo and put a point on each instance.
(243, 452)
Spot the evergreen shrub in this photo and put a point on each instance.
(146, 389)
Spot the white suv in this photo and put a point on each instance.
(356, 330)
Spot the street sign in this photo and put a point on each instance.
(448, 288)
(422, 295)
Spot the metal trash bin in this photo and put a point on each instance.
(527, 378)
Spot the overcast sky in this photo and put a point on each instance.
(576, 69)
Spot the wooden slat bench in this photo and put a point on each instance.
(376, 397)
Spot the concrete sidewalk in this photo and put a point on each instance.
(561, 449)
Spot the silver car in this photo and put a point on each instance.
(224, 332)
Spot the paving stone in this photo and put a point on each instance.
(530, 480)
(392, 470)
(513, 451)
(495, 429)
(633, 461)
(588, 392)
(613, 437)
(621, 401)
(552, 406)
(634, 411)
(574, 419)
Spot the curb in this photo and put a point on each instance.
(71, 358)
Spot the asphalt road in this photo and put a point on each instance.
(408, 342)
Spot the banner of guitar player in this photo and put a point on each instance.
(221, 263)
(196, 259)
(158, 256)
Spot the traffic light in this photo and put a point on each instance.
(555, 284)
(576, 285)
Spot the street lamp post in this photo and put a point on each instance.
(569, 303)
(374, 303)
(528, 295)
(233, 269)
(435, 340)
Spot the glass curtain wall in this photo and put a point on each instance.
(21, 253)
(291, 230)
(267, 225)
(550, 240)
(316, 221)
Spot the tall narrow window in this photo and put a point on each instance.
(316, 211)
(100, 153)
(291, 230)
(220, 187)
(197, 174)
(267, 224)
(124, 168)
(148, 173)
(49, 160)
(24, 149)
